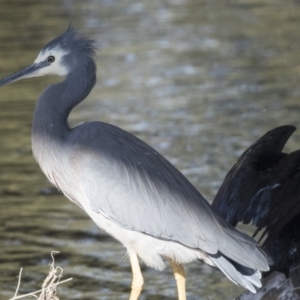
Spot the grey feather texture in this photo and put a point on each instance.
(142, 191)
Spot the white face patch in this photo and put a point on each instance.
(55, 67)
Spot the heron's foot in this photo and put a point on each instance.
(136, 288)
(179, 277)
(138, 280)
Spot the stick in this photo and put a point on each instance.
(33, 293)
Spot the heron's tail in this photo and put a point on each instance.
(240, 275)
(239, 257)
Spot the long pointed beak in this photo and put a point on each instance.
(30, 71)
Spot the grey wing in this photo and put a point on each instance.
(130, 183)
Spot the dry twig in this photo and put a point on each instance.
(48, 291)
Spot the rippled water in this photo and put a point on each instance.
(197, 80)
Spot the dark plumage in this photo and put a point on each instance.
(264, 187)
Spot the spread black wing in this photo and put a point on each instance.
(264, 187)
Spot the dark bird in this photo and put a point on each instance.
(263, 188)
(124, 185)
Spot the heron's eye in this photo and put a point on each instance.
(51, 59)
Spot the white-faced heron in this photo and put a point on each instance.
(124, 185)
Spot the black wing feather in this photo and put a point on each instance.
(264, 186)
(245, 194)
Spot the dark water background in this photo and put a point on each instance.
(198, 80)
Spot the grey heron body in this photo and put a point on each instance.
(125, 186)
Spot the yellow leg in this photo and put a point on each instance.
(138, 280)
(180, 278)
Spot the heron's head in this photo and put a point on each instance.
(61, 56)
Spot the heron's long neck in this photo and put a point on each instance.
(50, 123)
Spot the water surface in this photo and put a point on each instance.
(198, 80)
